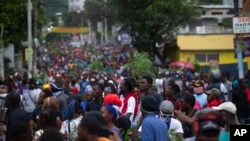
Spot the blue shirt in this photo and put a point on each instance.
(153, 129)
(201, 98)
(83, 85)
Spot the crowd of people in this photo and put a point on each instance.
(115, 105)
(101, 107)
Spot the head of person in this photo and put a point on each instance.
(20, 131)
(56, 86)
(50, 103)
(213, 94)
(149, 105)
(228, 112)
(98, 89)
(166, 110)
(215, 75)
(32, 84)
(187, 102)
(146, 83)
(89, 95)
(44, 94)
(92, 125)
(109, 113)
(24, 82)
(107, 91)
(198, 87)
(243, 83)
(12, 99)
(48, 119)
(172, 90)
(123, 123)
(112, 99)
(207, 125)
(73, 109)
(127, 85)
(51, 134)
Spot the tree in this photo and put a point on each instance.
(13, 15)
(153, 21)
(210, 1)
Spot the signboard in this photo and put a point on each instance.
(28, 54)
(241, 25)
(246, 46)
(69, 29)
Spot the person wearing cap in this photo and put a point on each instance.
(199, 94)
(240, 99)
(213, 97)
(207, 125)
(153, 129)
(166, 111)
(228, 112)
(110, 113)
(216, 83)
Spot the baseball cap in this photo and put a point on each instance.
(166, 107)
(227, 106)
(214, 90)
(208, 126)
(243, 80)
(112, 99)
(208, 119)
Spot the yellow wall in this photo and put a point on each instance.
(225, 57)
(206, 42)
(189, 45)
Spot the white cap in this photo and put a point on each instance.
(227, 106)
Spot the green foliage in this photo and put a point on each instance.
(140, 64)
(53, 6)
(197, 65)
(152, 21)
(96, 66)
(13, 14)
(210, 1)
(172, 136)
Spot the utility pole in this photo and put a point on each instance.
(1, 52)
(35, 34)
(106, 21)
(29, 10)
(238, 49)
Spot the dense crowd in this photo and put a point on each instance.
(114, 105)
(98, 106)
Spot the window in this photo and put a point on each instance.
(206, 57)
(217, 13)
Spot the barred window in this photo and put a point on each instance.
(206, 57)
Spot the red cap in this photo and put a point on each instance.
(112, 99)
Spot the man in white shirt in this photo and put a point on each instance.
(166, 109)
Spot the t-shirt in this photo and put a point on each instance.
(201, 98)
(153, 129)
(130, 107)
(224, 136)
(73, 126)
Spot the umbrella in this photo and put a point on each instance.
(183, 64)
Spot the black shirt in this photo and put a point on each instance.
(94, 105)
(13, 115)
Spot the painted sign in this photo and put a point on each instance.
(241, 25)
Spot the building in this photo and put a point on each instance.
(209, 37)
